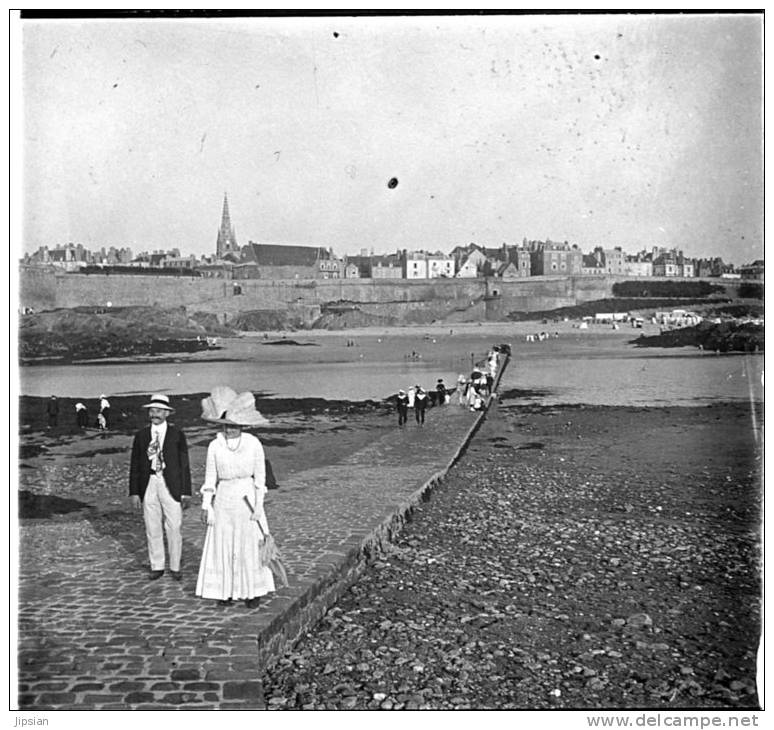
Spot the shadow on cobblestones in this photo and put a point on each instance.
(43, 506)
(126, 528)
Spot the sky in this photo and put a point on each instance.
(602, 130)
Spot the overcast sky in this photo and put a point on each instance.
(605, 130)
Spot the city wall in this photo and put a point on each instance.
(404, 300)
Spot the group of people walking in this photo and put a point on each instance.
(471, 391)
(235, 563)
(415, 398)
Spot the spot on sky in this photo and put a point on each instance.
(335, 34)
(597, 57)
(393, 183)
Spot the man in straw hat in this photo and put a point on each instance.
(159, 479)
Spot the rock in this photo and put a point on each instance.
(639, 621)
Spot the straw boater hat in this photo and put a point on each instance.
(158, 400)
(225, 405)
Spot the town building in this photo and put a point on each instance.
(276, 261)
(671, 262)
(752, 271)
(639, 264)
(712, 267)
(471, 262)
(415, 265)
(551, 258)
(389, 266)
(615, 261)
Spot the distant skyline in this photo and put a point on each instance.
(610, 130)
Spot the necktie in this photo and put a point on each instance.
(158, 457)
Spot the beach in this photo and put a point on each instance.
(577, 558)
(578, 555)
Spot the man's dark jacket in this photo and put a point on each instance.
(177, 473)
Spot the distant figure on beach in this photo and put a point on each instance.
(420, 405)
(461, 388)
(402, 404)
(81, 415)
(101, 422)
(440, 390)
(159, 484)
(474, 386)
(52, 409)
(104, 409)
(232, 567)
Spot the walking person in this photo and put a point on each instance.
(52, 409)
(104, 409)
(159, 485)
(81, 415)
(440, 390)
(420, 406)
(402, 404)
(461, 387)
(232, 503)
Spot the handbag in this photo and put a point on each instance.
(269, 553)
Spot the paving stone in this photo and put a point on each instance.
(96, 699)
(165, 686)
(51, 686)
(214, 650)
(126, 686)
(185, 674)
(243, 690)
(138, 697)
(179, 698)
(56, 698)
(200, 686)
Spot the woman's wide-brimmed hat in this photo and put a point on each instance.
(158, 400)
(225, 405)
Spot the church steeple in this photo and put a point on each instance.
(227, 242)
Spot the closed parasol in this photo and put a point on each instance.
(269, 553)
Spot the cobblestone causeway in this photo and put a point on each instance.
(95, 633)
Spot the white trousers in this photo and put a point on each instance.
(162, 514)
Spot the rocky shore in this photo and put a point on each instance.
(576, 558)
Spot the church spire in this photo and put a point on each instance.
(226, 242)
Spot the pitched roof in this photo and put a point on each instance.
(273, 254)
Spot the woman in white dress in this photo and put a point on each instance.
(231, 568)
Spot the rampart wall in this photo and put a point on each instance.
(406, 300)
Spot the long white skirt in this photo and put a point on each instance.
(230, 566)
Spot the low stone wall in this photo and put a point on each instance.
(307, 609)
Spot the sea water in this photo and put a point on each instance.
(575, 368)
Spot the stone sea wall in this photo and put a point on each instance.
(405, 300)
